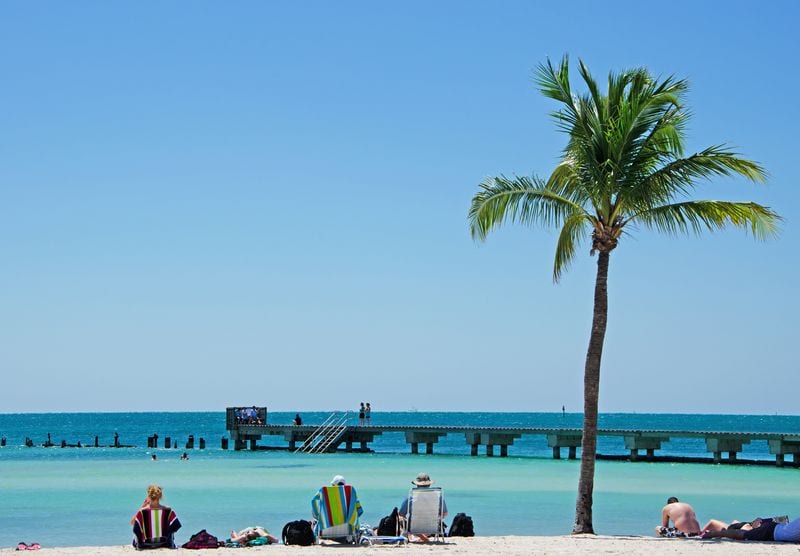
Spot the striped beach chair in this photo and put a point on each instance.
(155, 528)
(336, 511)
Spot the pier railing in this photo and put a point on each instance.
(327, 435)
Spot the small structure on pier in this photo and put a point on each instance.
(245, 425)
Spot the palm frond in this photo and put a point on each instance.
(678, 177)
(695, 216)
(520, 200)
(554, 83)
(569, 239)
(598, 100)
(716, 160)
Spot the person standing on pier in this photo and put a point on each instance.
(361, 412)
(367, 412)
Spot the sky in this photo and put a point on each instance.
(206, 204)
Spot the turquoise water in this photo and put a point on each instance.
(86, 496)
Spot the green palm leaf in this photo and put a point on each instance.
(520, 200)
(695, 216)
(569, 239)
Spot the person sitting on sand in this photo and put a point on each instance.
(246, 535)
(760, 529)
(348, 507)
(683, 518)
(423, 480)
(144, 527)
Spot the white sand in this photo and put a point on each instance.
(579, 544)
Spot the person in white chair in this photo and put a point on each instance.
(423, 480)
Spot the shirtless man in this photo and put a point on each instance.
(683, 518)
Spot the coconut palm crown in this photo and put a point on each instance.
(623, 166)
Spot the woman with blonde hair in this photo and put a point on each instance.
(154, 524)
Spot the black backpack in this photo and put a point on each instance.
(461, 526)
(389, 526)
(298, 532)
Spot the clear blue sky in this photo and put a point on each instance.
(212, 203)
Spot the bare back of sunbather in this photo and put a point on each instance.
(682, 516)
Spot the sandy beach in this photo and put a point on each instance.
(580, 544)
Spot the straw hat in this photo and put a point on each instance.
(422, 480)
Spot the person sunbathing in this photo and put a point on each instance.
(760, 529)
(246, 535)
(683, 518)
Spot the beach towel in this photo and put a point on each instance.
(336, 506)
(154, 527)
(673, 533)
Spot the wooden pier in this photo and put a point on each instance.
(640, 444)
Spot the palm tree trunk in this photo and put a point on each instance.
(591, 394)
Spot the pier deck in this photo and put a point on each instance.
(635, 441)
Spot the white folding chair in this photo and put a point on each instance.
(424, 513)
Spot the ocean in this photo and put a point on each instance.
(86, 496)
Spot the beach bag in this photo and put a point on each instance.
(202, 539)
(461, 526)
(388, 526)
(298, 532)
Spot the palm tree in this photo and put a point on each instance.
(623, 165)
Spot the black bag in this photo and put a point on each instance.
(389, 526)
(298, 532)
(461, 526)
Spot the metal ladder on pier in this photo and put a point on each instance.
(326, 435)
